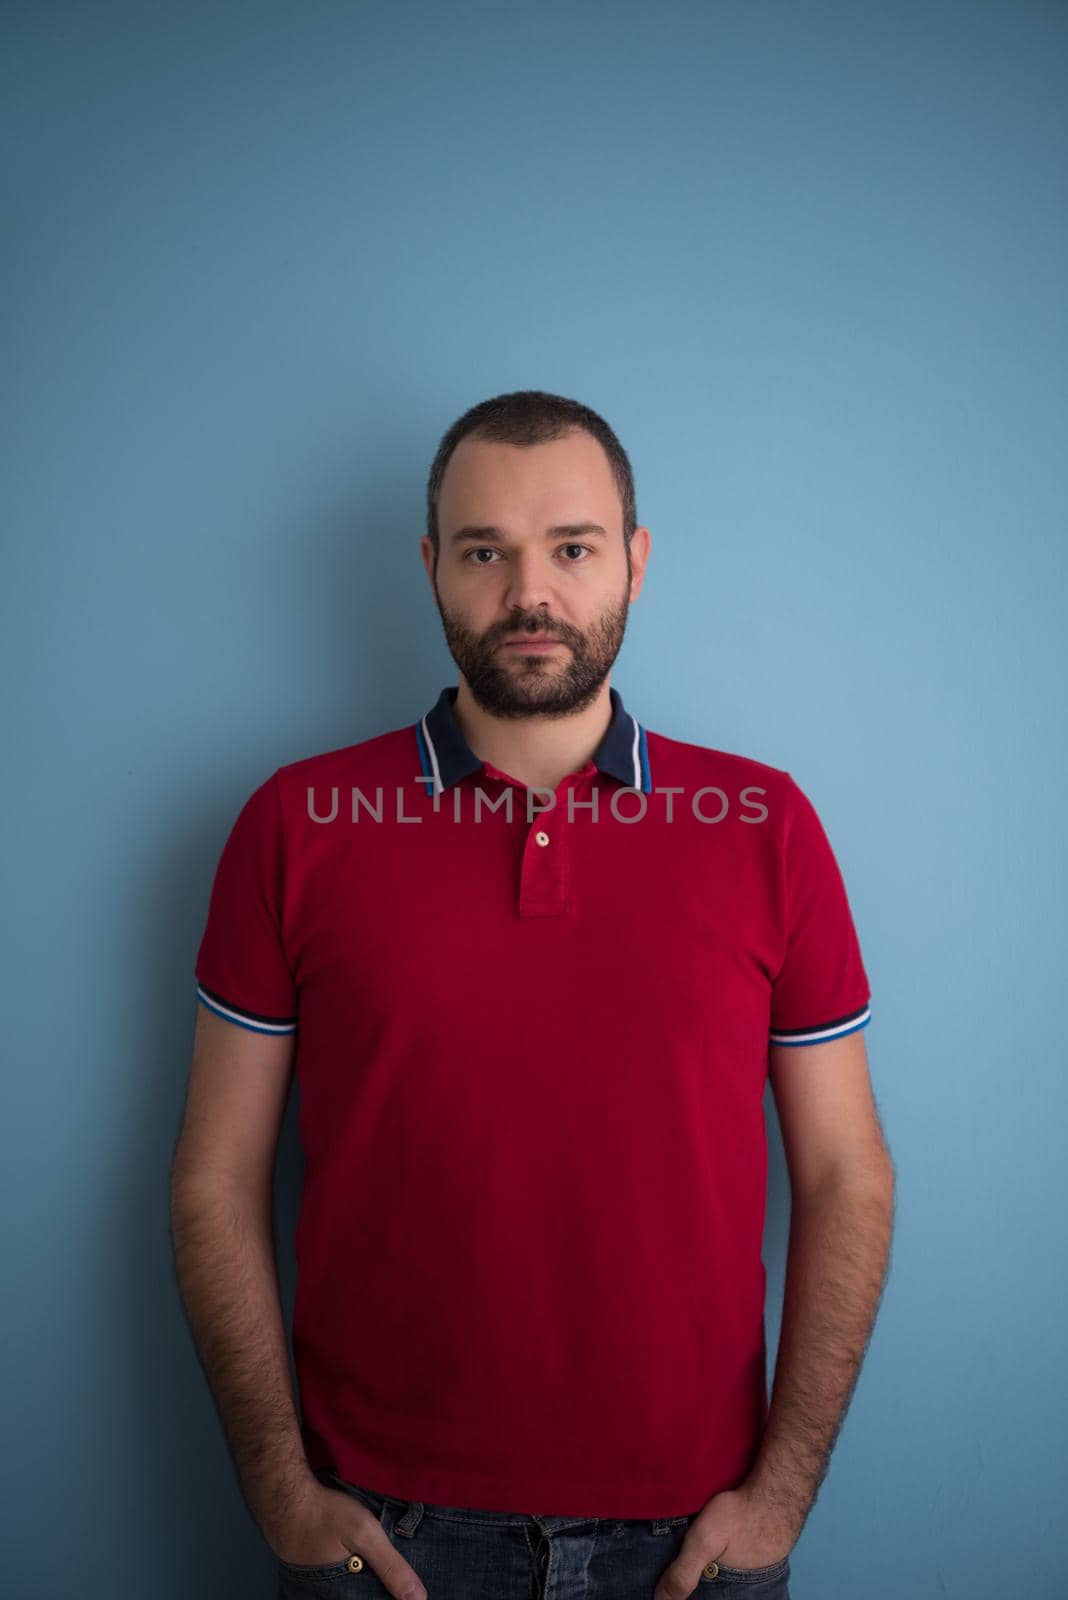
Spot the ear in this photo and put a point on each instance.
(639, 556)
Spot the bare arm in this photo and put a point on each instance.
(223, 1237)
(841, 1223)
(839, 1245)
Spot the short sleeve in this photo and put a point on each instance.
(241, 969)
(821, 990)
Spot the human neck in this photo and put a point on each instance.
(539, 751)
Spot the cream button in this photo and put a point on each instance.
(711, 1571)
(354, 1563)
(542, 838)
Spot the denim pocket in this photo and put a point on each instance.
(324, 1574)
(740, 1577)
(334, 1581)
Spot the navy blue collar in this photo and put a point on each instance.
(447, 757)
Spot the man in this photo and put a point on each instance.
(533, 964)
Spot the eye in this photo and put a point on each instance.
(488, 550)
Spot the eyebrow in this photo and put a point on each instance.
(491, 535)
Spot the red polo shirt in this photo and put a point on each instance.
(532, 1053)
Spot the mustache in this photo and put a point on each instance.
(542, 631)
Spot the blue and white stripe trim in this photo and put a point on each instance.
(445, 755)
(252, 1020)
(826, 1030)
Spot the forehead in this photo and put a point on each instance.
(565, 479)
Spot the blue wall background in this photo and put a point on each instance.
(809, 260)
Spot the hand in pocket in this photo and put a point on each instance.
(324, 1527)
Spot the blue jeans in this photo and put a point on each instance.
(463, 1554)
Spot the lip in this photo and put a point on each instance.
(539, 642)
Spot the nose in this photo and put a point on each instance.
(529, 583)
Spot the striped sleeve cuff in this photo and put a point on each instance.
(824, 1030)
(244, 1019)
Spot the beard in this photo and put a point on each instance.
(552, 685)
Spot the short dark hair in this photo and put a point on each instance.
(526, 417)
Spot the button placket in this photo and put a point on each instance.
(544, 868)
